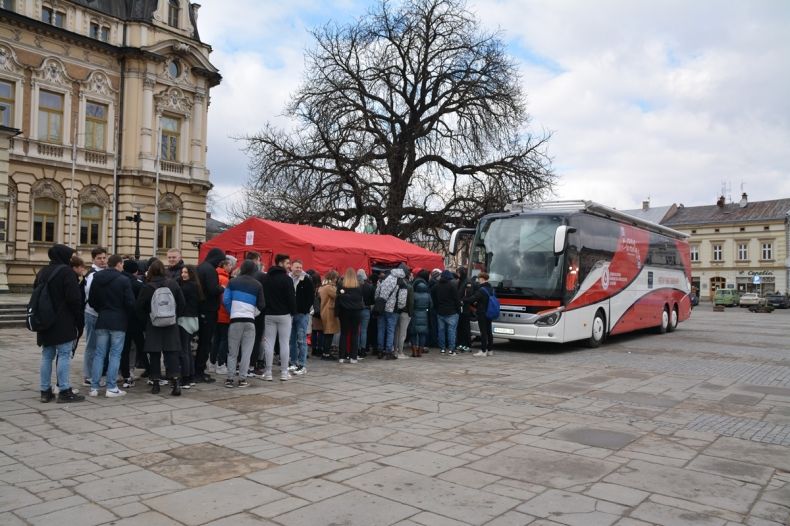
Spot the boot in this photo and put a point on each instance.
(67, 396)
(176, 387)
(419, 352)
(47, 396)
(155, 388)
(413, 351)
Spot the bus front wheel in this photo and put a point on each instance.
(598, 330)
(673, 319)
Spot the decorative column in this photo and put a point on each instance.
(197, 135)
(5, 143)
(146, 130)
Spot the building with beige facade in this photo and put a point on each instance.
(742, 245)
(103, 107)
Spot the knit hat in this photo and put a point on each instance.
(232, 260)
(447, 275)
(435, 273)
(130, 266)
(361, 275)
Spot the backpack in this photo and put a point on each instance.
(163, 307)
(41, 311)
(492, 311)
(317, 306)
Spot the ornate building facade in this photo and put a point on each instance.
(103, 107)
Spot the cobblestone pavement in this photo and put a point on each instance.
(685, 428)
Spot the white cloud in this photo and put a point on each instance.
(660, 99)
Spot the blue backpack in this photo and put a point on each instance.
(492, 311)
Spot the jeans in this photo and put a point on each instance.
(364, 321)
(90, 345)
(277, 327)
(299, 339)
(448, 324)
(387, 321)
(402, 330)
(111, 342)
(219, 349)
(48, 353)
(241, 337)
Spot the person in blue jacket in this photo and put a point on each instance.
(243, 299)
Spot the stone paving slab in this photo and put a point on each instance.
(691, 427)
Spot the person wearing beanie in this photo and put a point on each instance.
(134, 331)
(212, 294)
(368, 298)
(448, 306)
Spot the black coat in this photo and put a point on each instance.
(174, 272)
(66, 296)
(279, 293)
(191, 298)
(480, 298)
(305, 294)
(368, 293)
(348, 300)
(207, 274)
(160, 339)
(112, 298)
(446, 299)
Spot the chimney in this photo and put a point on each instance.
(194, 9)
(646, 204)
(744, 200)
(720, 202)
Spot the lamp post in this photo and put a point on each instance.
(136, 219)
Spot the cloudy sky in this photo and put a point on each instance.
(670, 100)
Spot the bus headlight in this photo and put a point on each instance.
(549, 318)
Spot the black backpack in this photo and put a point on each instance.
(41, 310)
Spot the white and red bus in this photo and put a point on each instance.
(577, 270)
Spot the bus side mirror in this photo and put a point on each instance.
(560, 237)
(455, 237)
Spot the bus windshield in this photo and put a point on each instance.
(518, 253)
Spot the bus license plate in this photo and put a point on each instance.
(503, 330)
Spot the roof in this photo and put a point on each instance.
(138, 10)
(214, 227)
(654, 214)
(775, 210)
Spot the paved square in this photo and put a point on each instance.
(691, 427)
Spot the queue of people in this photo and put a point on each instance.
(237, 321)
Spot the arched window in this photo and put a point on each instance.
(90, 224)
(173, 10)
(45, 219)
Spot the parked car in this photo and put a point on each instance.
(778, 301)
(748, 299)
(726, 297)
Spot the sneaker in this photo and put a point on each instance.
(352, 360)
(451, 353)
(299, 371)
(267, 377)
(187, 386)
(93, 392)
(490, 353)
(86, 382)
(114, 393)
(342, 360)
(292, 368)
(243, 383)
(128, 382)
(258, 373)
(480, 353)
(230, 383)
(285, 377)
(68, 396)
(47, 396)
(222, 369)
(442, 351)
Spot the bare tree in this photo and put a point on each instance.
(412, 118)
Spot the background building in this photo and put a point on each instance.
(742, 245)
(110, 99)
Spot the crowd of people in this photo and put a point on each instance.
(234, 320)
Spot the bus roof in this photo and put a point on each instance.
(591, 207)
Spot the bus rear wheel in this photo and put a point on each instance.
(673, 319)
(598, 331)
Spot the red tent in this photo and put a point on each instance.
(319, 248)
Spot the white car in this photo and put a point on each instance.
(750, 298)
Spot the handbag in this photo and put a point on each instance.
(380, 304)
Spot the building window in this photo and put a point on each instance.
(166, 237)
(95, 126)
(100, 32)
(45, 219)
(7, 103)
(743, 251)
(171, 136)
(7, 4)
(717, 252)
(174, 69)
(50, 117)
(768, 251)
(173, 10)
(90, 224)
(50, 16)
(694, 252)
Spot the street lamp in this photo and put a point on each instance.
(136, 219)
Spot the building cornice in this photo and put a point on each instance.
(57, 32)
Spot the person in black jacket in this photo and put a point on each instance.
(369, 298)
(448, 304)
(161, 341)
(209, 282)
(60, 339)
(256, 358)
(480, 300)
(305, 296)
(280, 299)
(134, 331)
(189, 321)
(349, 305)
(112, 298)
(464, 334)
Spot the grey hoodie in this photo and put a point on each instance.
(385, 288)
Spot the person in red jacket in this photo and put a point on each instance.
(219, 350)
